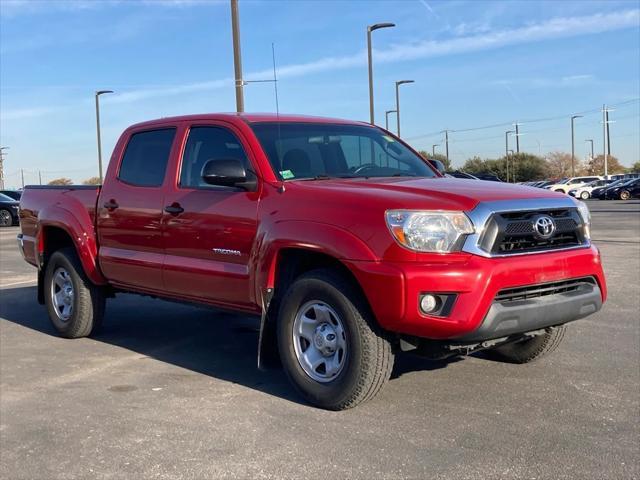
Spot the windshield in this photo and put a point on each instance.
(319, 150)
(5, 198)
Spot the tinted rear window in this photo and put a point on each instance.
(145, 160)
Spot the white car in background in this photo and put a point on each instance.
(571, 183)
(584, 192)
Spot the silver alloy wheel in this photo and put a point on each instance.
(319, 341)
(62, 294)
(5, 218)
(584, 195)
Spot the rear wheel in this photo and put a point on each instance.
(6, 220)
(625, 195)
(532, 349)
(330, 347)
(75, 305)
(584, 195)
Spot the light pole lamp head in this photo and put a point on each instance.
(402, 82)
(575, 116)
(101, 92)
(377, 26)
(387, 112)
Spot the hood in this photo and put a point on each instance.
(440, 193)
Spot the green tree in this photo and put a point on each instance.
(635, 168)
(526, 167)
(61, 181)
(438, 156)
(92, 181)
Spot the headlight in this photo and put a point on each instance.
(429, 231)
(583, 210)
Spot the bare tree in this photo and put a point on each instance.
(61, 181)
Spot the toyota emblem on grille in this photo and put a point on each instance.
(544, 226)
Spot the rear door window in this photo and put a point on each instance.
(145, 159)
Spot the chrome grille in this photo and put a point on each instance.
(513, 232)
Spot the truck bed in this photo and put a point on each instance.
(37, 198)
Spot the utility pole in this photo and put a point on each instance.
(573, 149)
(446, 143)
(433, 148)
(98, 93)
(22, 176)
(517, 137)
(608, 136)
(506, 148)
(386, 119)
(2, 154)
(371, 28)
(39, 177)
(237, 56)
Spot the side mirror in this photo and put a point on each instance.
(437, 164)
(228, 173)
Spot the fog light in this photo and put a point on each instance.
(429, 303)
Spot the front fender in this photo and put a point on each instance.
(313, 236)
(77, 223)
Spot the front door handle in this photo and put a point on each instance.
(111, 205)
(174, 209)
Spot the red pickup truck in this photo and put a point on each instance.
(346, 242)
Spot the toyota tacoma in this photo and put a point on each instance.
(346, 243)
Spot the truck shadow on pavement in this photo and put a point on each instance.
(210, 342)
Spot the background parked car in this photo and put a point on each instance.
(8, 211)
(15, 194)
(584, 192)
(459, 174)
(628, 190)
(613, 190)
(571, 183)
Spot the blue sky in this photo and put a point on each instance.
(475, 64)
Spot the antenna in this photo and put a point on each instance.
(279, 144)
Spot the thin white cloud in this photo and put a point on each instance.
(547, 82)
(22, 113)
(555, 28)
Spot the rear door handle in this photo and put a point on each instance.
(174, 209)
(111, 205)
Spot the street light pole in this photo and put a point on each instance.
(433, 148)
(573, 152)
(506, 149)
(371, 28)
(98, 93)
(386, 118)
(237, 56)
(517, 125)
(398, 83)
(591, 142)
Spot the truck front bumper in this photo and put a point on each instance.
(482, 309)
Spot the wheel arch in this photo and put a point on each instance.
(290, 263)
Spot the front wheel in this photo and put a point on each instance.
(330, 347)
(75, 305)
(584, 195)
(625, 195)
(532, 349)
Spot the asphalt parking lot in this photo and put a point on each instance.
(172, 391)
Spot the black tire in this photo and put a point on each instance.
(531, 349)
(6, 219)
(88, 301)
(368, 357)
(559, 190)
(625, 195)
